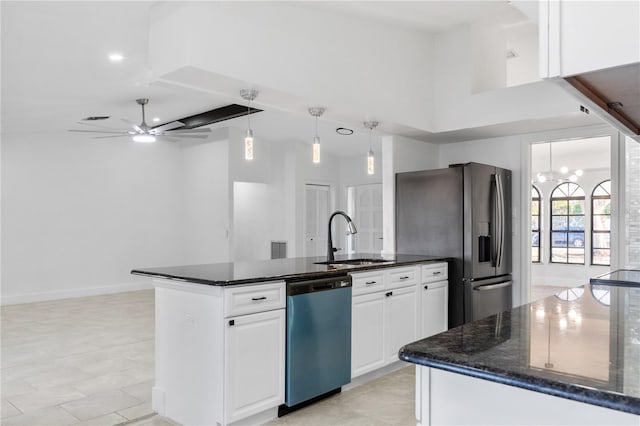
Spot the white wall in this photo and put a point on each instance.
(400, 154)
(78, 214)
(341, 62)
(204, 200)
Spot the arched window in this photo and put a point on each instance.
(601, 224)
(567, 224)
(535, 225)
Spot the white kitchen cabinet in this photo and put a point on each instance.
(434, 299)
(384, 318)
(367, 335)
(254, 363)
(400, 320)
(220, 351)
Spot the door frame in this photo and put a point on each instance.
(617, 192)
(332, 205)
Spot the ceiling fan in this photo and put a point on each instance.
(172, 131)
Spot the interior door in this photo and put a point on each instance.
(365, 208)
(316, 218)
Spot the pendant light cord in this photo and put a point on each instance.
(249, 113)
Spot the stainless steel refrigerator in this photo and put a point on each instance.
(462, 212)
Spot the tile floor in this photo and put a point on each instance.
(89, 361)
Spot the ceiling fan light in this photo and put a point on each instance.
(144, 138)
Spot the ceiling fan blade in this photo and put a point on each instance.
(108, 137)
(97, 126)
(168, 126)
(134, 125)
(200, 130)
(98, 131)
(182, 136)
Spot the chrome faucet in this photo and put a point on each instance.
(352, 230)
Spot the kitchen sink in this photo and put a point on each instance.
(355, 262)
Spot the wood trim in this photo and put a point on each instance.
(599, 100)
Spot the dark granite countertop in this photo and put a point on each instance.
(278, 269)
(582, 344)
(620, 277)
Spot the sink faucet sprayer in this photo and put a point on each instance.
(352, 230)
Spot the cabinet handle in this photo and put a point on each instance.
(404, 278)
(370, 282)
(437, 272)
(426, 287)
(232, 322)
(389, 294)
(255, 299)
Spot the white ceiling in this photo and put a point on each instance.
(55, 69)
(585, 154)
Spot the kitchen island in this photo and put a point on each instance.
(220, 328)
(572, 358)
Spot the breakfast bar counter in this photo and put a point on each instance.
(570, 358)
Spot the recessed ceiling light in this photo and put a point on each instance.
(116, 57)
(156, 119)
(344, 131)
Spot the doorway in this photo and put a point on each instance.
(570, 212)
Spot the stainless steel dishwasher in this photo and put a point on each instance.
(318, 347)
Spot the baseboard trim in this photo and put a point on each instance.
(73, 293)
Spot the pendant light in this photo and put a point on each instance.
(316, 112)
(248, 95)
(370, 158)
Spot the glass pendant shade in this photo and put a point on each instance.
(248, 145)
(316, 149)
(370, 163)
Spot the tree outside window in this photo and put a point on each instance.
(567, 223)
(601, 224)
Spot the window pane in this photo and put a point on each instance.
(535, 208)
(559, 207)
(601, 223)
(534, 223)
(601, 257)
(576, 223)
(576, 255)
(535, 239)
(601, 206)
(576, 239)
(559, 255)
(535, 254)
(576, 206)
(559, 223)
(558, 239)
(601, 240)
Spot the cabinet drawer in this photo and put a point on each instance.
(434, 272)
(367, 282)
(242, 300)
(436, 284)
(402, 277)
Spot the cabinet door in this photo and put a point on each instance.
(401, 320)
(367, 344)
(434, 301)
(254, 363)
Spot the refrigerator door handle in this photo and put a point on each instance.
(492, 286)
(500, 224)
(495, 225)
